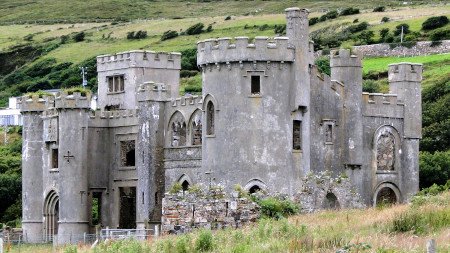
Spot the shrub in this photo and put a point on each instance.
(189, 59)
(176, 187)
(276, 208)
(349, 11)
(64, 39)
(71, 249)
(398, 29)
(434, 22)
(209, 28)
(169, 35)
(188, 73)
(227, 18)
(357, 28)
(79, 37)
(437, 35)
(204, 241)
(192, 89)
(355, 21)
(323, 64)
(370, 86)
(264, 27)
(379, 9)
(195, 29)
(385, 20)
(331, 15)
(136, 35)
(365, 37)
(280, 29)
(434, 168)
(384, 33)
(28, 37)
(313, 21)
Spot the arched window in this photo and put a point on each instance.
(196, 128)
(177, 129)
(210, 118)
(254, 189)
(185, 185)
(51, 215)
(331, 201)
(385, 150)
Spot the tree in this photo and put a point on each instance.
(383, 34)
(398, 29)
(195, 29)
(434, 22)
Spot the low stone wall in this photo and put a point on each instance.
(420, 48)
(184, 211)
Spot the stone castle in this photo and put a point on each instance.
(266, 119)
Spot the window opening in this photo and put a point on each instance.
(329, 133)
(256, 85)
(116, 83)
(128, 157)
(210, 118)
(297, 135)
(185, 185)
(55, 164)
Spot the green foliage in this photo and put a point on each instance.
(78, 37)
(323, 64)
(188, 73)
(277, 208)
(313, 21)
(357, 28)
(169, 35)
(137, 35)
(370, 86)
(356, 247)
(83, 91)
(264, 27)
(195, 29)
(71, 249)
(385, 19)
(176, 187)
(421, 222)
(349, 11)
(384, 33)
(204, 241)
(379, 9)
(189, 59)
(398, 29)
(280, 29)
(434, 168)
(441, 34)
(121, 246)
(365, 37)
(228, 18)
(434, 22)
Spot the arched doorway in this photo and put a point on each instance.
(185, 185)
(51, 215)
(330, 202)
(254, 189)
(386, 194)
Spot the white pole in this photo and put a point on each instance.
(401, 36)
(1, 245)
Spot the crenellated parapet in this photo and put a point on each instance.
(262, 49)
(113, 118)
(75, 100)
(187, 101)
(139, 59)
(33, 103)
(153, 91)
(409, 72)
(345, 58)
(382, 105)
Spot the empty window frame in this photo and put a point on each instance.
(210, 118)
(256, 85)
(116, 83)
(329, 133)
(297, 135)
(127, 153)
(54, 158)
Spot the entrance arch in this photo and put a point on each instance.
(386, 193)
(51, 215)
(331, 202)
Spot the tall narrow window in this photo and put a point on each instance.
(127, 153)
(55, 158)
(256, 85)
(210, 118)
(329, 133)
(297, 135)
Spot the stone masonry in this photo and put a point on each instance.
(267, 119)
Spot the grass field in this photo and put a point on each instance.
(402, 228)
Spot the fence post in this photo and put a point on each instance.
(84, 238)
(431, 246)
(156, 230)
(1, 245)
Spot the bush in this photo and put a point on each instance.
(398, 29)
(227, 18)
(188, 73)
(349, 11)
(434, 168)
(357, 28)
(169, 35)
(64, 39)
(379, 9)
(385, 20)
(365, 37)
(204, 241)
(189, 59)
(437, 35)
(280, 29)
(29, 37)
(195, 29)
(434, 22)
(323, 64)
(264, 27)
(137, 35)
(384, 33)
(276, 208)
(355, 21)
(79, 37)
(209, 28)
(331, 15)
(313, 21)
(176, 187)
(370, 86)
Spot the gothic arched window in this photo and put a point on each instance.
(196, 128)
(177, 130)
(210, 118)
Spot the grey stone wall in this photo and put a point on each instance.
(420, 48)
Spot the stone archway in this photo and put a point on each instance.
(386, 194)
(331, 202)
(51, 216)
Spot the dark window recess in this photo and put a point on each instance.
(254, 189)
(127, 213)
(256, 85)
(185, 185)
(116, 83)
(127, 153)
(55, 158)
(96, 208)
(297, 135)
(329, 133)
(210, 118)
(156, 198)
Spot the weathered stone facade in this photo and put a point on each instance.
(266, 120)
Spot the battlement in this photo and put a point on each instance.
(75, 100)
(153, 91)
(187, 100)
(262, 49)
(139, 59)
(382, 105)
(345, 58)
(380, 99)
(296, 12)
(33, 103)
(116, 118)
(113, 114)
(404, 71)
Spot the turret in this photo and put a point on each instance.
(31, 108)
(405, 80)
(73, 111)
(346, 68)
